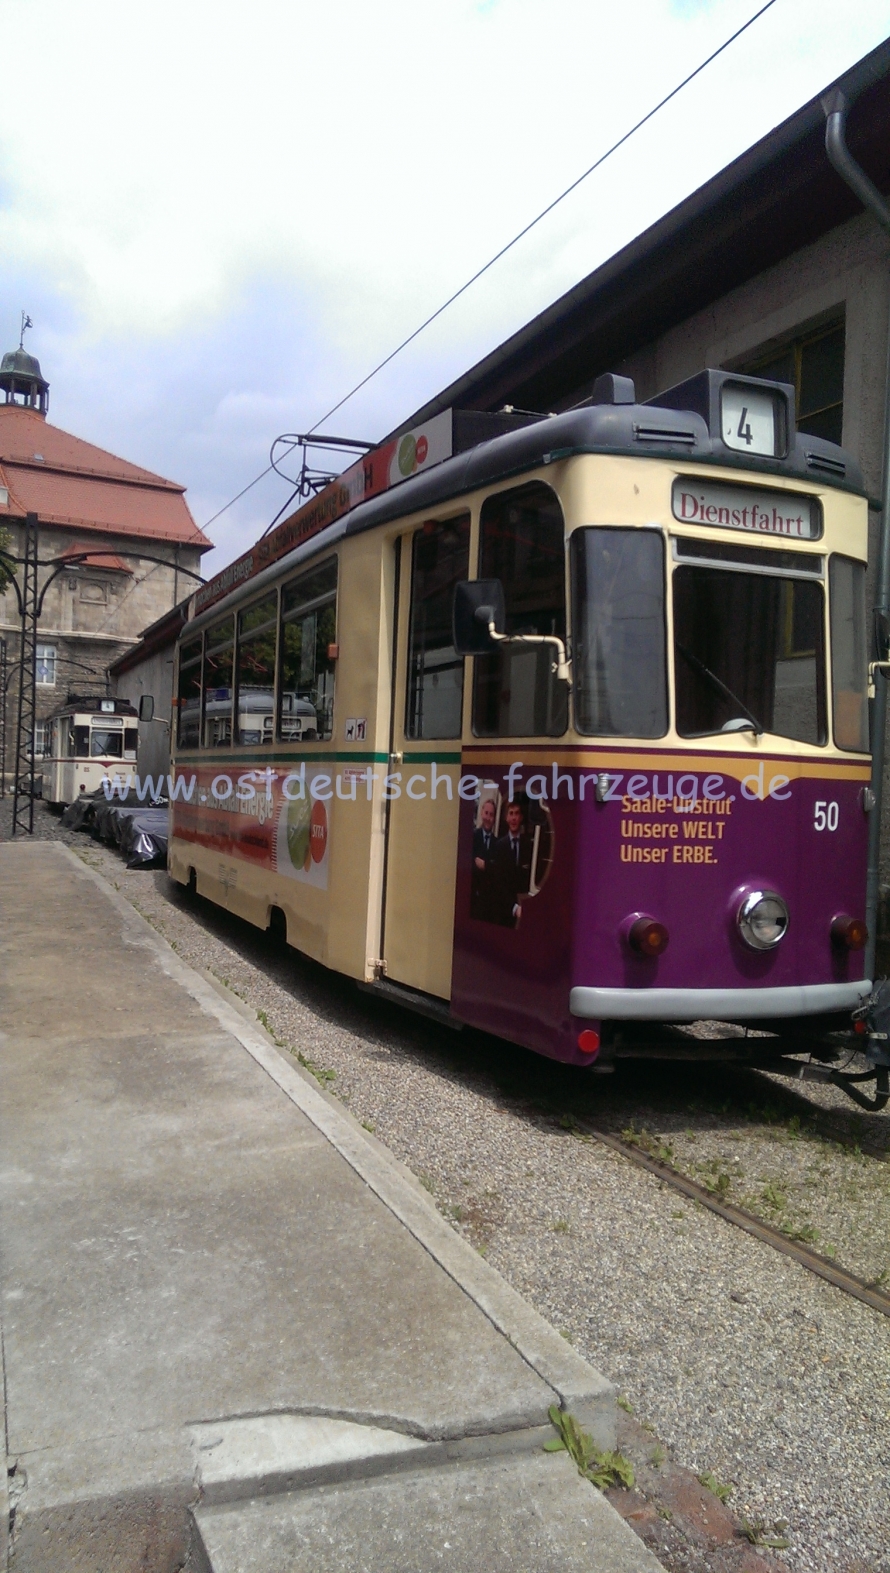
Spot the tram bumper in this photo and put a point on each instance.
(717, 1004)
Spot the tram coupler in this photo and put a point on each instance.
(871, 1036)
(872, 1022)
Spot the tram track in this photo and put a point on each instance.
(823, 1267)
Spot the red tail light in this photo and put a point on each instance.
(848, 933)
(649, 937)
(589, 1042)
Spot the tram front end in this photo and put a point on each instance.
(694, 841)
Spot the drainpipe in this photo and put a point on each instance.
(835, 106)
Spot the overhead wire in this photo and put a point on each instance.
(238, 495)
(544, 212)
(690, 77)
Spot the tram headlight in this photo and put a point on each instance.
(762, 919)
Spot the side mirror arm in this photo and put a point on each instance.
(561, 667)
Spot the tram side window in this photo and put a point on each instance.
(618, 620)
(255, 677)
(849, 663)
(306, 670)
(749, 647)
(80, 742)
(189, 727)
(522, 543)
(219, 655)
(440, 557)
(131, 742)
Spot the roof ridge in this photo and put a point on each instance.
(146, 478)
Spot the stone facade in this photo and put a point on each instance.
(92, 613)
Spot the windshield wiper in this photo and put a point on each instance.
(727, 693)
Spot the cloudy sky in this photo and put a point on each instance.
(220, 216)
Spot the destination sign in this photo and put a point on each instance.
(746, 508)
(375, 472)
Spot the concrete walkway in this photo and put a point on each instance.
(236, 1333)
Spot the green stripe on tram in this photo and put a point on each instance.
(259, 762)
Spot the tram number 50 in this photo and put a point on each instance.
(826, 816)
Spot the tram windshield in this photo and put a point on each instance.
(106, 744)
(749, 653)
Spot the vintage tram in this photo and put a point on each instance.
(589, 740)
(90, 740)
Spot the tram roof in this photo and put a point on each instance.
(641, 431)
(92, 704)
(779, 196)
(682, 429)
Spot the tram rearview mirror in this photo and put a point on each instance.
(146, 707)
(477, 603)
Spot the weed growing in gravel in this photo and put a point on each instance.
(657, 1456)
(569, 1123)
(602, 1469)
(561, 1226)
(807, 1234)
(625, 1404)
(653, 1145)
(759, 1535)
(428, 1183)
(709, 1479)
(321, 1072)
(263, 1019)
(368, 1125)
(774, 1197)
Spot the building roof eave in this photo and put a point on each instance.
(775, 198)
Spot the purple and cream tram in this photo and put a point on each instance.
(591, 753)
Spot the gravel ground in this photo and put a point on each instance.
(743, 1364)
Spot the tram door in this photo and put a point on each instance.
(422, 824)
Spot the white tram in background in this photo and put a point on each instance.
(92, 739)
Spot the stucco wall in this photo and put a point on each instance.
(845, 272)
(152, 676)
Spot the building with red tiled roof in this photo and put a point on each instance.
(129, 545)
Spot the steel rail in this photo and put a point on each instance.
(813, 1261)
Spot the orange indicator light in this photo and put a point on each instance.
(848, 933)
(649, 937)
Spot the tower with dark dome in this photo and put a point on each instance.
(21, 381)
(118, 546)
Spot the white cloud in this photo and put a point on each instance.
(235, 211)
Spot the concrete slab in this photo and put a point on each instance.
(193, 1235)
(531, 1514)
(273, 1452)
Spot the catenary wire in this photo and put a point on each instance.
(544, 212)
(511, 243)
